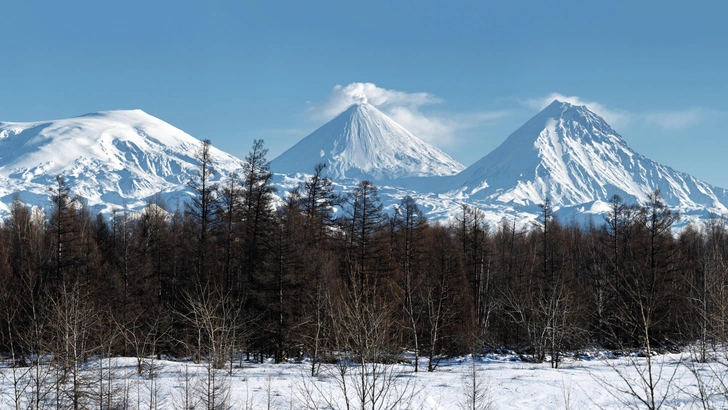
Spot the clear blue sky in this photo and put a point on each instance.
(464, 75)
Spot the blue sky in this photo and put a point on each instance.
(462, 76)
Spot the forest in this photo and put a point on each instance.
(238, 275)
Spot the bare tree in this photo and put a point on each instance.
(316, 327)
(320, 264)
(409, 223)
(476, 389)
(438, 291)
(202, 207)
(145, 335)
(705, 255)
(644, 276)
(73, 322)
(105, 389)
(185, 399)
(229, 209)
(36, 342)
(473, 232)
(362, 221)
(62, 225)
(363, 326)
(20, 373)
(215, 318)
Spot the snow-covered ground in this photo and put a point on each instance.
(504, 380)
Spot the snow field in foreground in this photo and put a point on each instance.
(505, 382)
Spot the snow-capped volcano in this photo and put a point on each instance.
(110, 159)
(119, 159)
(363, 143)
(571, 155)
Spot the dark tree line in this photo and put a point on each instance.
(238, 274)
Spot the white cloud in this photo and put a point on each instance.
(341, 97)
(402, 107)
(428, 128)
(615, 118)
(667, 120)
(674, 120)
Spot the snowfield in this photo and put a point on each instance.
(504, 382)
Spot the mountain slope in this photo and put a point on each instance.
(110, 159)
(571, 155)
(363, 143)
(119, 159)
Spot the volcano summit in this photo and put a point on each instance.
(363, 143)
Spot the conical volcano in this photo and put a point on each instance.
(363, 143)
(571, 155)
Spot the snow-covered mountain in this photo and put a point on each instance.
(363, 143)
(119, 159)
(571, 155)
(110, 159)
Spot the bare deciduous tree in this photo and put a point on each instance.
(477, 393)
(73, 322)
(216, 319)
